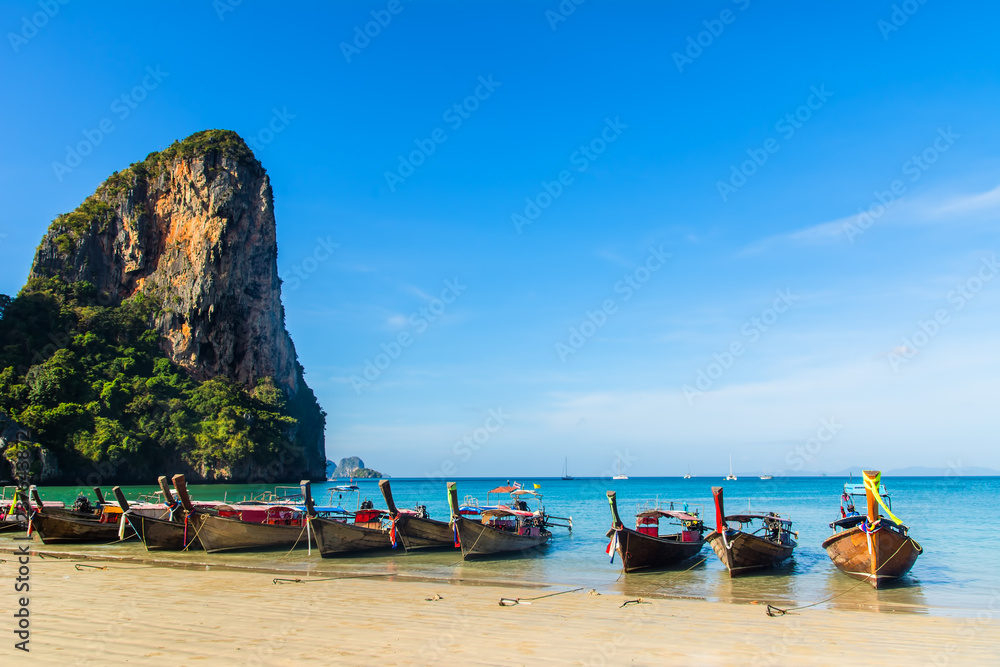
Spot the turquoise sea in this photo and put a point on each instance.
(951, 517)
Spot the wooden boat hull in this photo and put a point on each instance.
(639, 551)
(59, 529)
(334, 538)
(742, 552)
(889, 557)
(416, 533)
(163, 535)
(478, 539)
(222, 534)
(13, 526)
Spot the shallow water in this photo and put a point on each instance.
(949, 516)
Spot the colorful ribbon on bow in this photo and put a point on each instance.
(872, 486)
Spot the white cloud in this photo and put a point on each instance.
(933, 208)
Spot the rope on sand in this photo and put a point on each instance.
(774, 612)
(510, 602)
(280, 580)
(80, 566)
(636, 601)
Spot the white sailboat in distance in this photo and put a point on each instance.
(730, 477)
(688, 475)
(566, 474)
(620, 475)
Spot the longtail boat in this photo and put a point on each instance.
(741, 551)
(176, 531)
(337, 537)
(55, 526)
(500, 530)
(282, 527)
(172, 533)
(645, 547)
(14, 515)
(870, 546)
(414, 528)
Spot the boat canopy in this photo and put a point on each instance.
(504, 511)
(859, 490)
(244, 507)
(525, 492)
(669, 514)
(504, 489)
(747, 518)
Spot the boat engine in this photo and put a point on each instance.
(82, 504)
(367, 505)
(422, 512)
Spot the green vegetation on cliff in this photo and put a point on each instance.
(93, 386)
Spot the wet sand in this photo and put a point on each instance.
(143, 614)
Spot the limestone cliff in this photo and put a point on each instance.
(193, 228)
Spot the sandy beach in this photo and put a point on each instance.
(141, 614)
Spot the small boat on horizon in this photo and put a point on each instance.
(741, 551)
(688, 474)
(731, 477)
(869, 546)
(765, 476)
(644, 547)
(566, 474)
(620, 475)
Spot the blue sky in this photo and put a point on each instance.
(740, 139)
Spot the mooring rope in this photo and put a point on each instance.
(773, 611)
(635, 601)
(80, 566)
(510, 602)
(281, 580)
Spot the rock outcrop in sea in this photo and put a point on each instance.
(192, 230)
(353, 466)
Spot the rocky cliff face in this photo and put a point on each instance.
(192, 227)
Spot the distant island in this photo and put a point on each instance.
(352, 466)
(150, 336)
